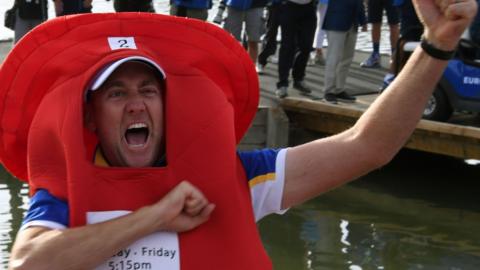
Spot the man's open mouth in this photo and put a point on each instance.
(137, 134)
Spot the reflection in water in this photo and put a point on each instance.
(419, 212)
(14, 192)
(472, 162)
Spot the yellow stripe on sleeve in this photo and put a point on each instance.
(261, 179)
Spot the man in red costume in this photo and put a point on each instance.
(125, 108)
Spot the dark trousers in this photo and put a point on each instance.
(74, 7)
(298, 24)
(270, 40)
(133, 6)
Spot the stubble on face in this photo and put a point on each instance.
(126, 113)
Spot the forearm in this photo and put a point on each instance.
(387, 125)
(182, 209)
(83, 247)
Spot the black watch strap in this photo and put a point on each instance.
(435, 52)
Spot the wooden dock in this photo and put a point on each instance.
(460, 137)
(430, 136)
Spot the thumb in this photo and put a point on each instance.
(461, 10)
(199, 219)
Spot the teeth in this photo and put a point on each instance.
(137, 125)
(136, 145)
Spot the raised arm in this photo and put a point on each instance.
(318, 166)
(182, 209)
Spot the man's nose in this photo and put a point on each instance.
(135, 105)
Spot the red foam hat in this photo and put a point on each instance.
(80, 45)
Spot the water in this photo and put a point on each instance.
(13, 202)
(419, 212)
(161, 6)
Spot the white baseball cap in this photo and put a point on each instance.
(103, 74)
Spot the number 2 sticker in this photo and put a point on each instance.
(117, 43)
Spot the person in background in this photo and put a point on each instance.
(250, 13)
(341, 24)
(320, 34)
(411, 29)
(29, 14)
(475, 31)
(298, 21)
(410, 26)
(67, 7)
(218, 19)
(197, 9)
(269, 43)
(375, 14)
(133, 6)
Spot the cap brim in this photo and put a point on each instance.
(103, 75)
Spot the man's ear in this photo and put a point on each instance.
(88, 119)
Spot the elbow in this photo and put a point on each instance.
(27, 263)
(24, 258)
(375, 153)
(23, 263)
(33, 250)
(18, 265)
(380, 158)
(380, 153)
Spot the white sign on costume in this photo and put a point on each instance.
(117, 43)
(156, 251)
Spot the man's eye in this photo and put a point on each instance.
(116, 93)
(150, 91)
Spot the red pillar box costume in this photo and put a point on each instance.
(210, 99)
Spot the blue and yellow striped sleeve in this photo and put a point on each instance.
(45, 210)
(265, 173)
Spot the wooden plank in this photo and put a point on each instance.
(430, 136)
(446, 144)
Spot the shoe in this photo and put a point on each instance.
(281, 91)
(273, 59)
(260, 68)
(382, 87)
(331, 98)
(302, 87)
(372, 62)
(262, 62)
(387, 80)
(319, 60)
(343, 96)
(219, 17)
(311, 59)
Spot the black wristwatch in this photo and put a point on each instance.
(435, 52)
